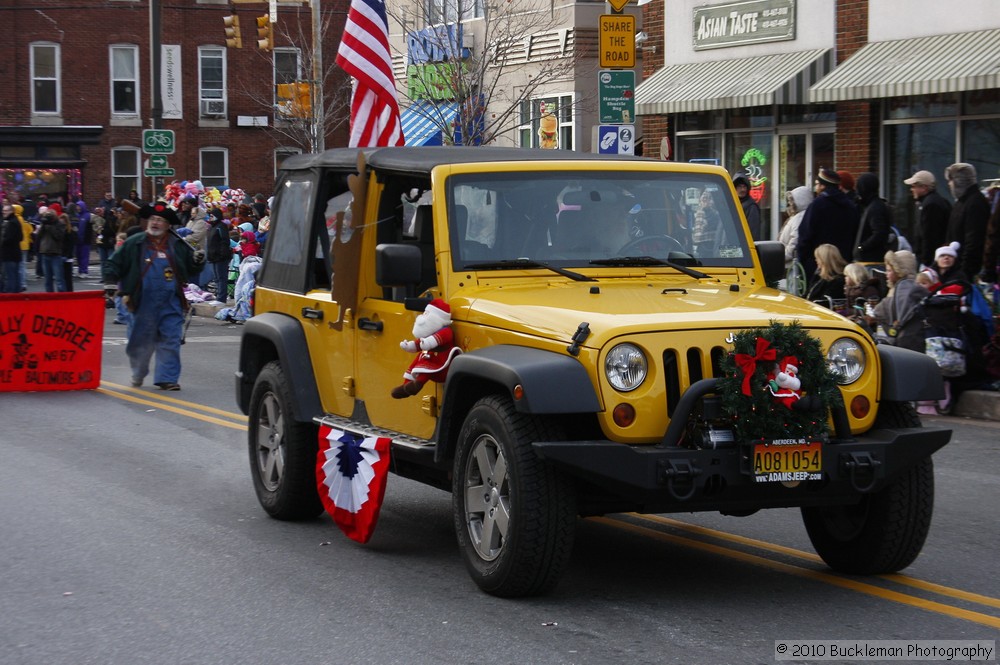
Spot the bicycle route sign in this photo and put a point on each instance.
(158, 141)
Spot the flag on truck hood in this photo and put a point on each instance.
(350, 475)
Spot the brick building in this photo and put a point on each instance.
(778, 88)
(78, 93)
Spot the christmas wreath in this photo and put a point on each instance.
(776, 384)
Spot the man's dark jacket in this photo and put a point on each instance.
(933, 211)
(876, 221)
(126, 266)
(967, 225)
(830, 218)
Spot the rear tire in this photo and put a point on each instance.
(515, 516)
(282, 450)
(886, 530)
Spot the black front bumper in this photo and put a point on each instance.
(666, 478)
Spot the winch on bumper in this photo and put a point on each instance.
(669, 477)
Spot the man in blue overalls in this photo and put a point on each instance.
(153, 267)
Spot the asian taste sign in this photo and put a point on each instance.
(740, 23)
(616, 41)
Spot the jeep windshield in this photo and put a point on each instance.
(594, 218)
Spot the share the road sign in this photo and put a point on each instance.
(616, 39)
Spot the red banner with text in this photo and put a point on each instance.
(51, 341)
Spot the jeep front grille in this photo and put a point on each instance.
(682, 367)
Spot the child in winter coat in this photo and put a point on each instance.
(249, 245)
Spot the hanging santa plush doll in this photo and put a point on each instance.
(785, 385)
(435, 348)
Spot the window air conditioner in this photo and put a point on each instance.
(213, 107)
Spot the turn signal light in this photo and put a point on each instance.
(860, 406)
(623, 415)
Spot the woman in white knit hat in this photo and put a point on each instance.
(945, 260)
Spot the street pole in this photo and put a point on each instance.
(156, 113)
(319, 125)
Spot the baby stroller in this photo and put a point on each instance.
(944, 329)
(954, 336)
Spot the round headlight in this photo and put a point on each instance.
(625, 367)
(846, 359)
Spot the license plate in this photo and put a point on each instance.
(779, 462)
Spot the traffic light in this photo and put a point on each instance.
(265, 35)
(233, 37)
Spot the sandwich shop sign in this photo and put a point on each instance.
(741, 23)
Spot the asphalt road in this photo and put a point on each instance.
(131, 534)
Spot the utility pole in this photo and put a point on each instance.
(319, 124)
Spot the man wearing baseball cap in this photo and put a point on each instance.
(153, 266)
(933, 211)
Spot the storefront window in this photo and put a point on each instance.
(813, 113)
(982, 101)
(981, 146)
(32, 182)
(925, 146)
(705, 149)
(924, 106)
(750, 153)
(751, 117)
(547, 123)
(702, 121)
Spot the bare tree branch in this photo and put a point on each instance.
(287, 129)
(490, 65)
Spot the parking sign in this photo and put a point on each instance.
(616, 139)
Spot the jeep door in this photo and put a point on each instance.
(382, 321)
(296, 276)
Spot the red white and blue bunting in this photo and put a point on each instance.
(350, 474)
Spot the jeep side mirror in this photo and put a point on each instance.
(397, 265)
(772, 259)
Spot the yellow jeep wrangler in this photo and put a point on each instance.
(598, 305)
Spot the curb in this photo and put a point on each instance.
(208, 310)
(978, 404)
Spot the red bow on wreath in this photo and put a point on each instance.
(748, 363)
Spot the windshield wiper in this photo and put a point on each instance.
(649, 261)
(507, 264)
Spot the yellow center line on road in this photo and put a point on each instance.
(173, 409)
(173, 400)
(819, 576)
(809, 556)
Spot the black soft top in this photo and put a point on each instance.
(422, 159)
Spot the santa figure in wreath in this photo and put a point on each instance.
(435, 348)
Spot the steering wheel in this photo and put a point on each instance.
(653, 245)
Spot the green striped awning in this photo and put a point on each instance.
(724, 84)
(916, 66)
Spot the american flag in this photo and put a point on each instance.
(364, 54)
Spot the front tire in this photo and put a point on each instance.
(515, 516)
(282, 450)
(886, 530)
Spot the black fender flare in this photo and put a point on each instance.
(909, 376)
(271, 336)
(550, 383)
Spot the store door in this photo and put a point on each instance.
(801, 152)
